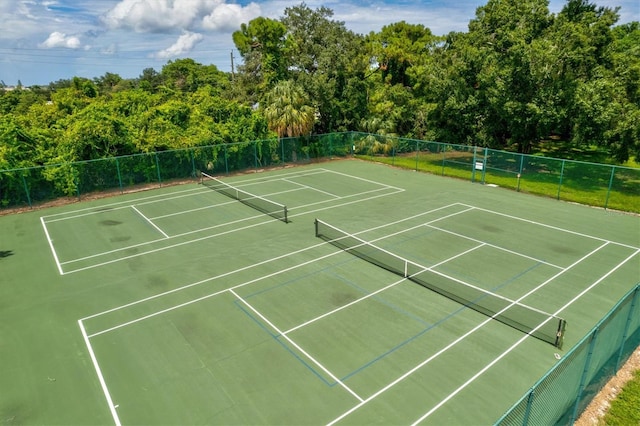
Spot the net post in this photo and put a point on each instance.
(315, 222)
(286, 214)
(562, 325)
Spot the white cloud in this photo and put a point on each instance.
(169, 15)
(185, 43)
(230, 16)
(58, 39)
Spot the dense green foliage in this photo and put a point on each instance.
(518, 76)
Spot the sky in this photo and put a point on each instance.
(42, 41)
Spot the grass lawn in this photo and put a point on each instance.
(584, 183)
(624, 409)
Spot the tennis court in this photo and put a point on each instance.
(342, 292)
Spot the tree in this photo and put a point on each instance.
(327, 60)
(400, 46)
(263, 45)
(149, 80)
(95, 132)
(186, 75)
(108, 82)
(501, 100)
(288, 111)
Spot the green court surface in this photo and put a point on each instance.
(181, 305)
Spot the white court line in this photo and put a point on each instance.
(304, 324)
(101, 208)
(494, 246)
(343, 307)
(312, 188)
(202, 238)
(159, 198)
(264, 262)
(275, 179)
(53, 250)
(556, 228)
(206, 296)
(221, 204)
(167, 247)
(365, 180)
(463, 337)
(220, 225)
(212, 206)
(103, 384)
(239, 285)
(342, 198)
(94, 212)
(150, 222)
(316, 362)
(519, 342)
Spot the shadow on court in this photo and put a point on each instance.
(5, 253)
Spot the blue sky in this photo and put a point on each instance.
(46, 40)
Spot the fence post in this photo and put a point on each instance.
(158, 168)
(484, 164)
(527, 411)
(352, 147)
(560, 183)
(606, 201)
(393, 156)
(331, 145)
(76, 178)
(255, 155)
(119, 175)
(625, 333)
(417, 152)
(26, 189)
(520, 172)
(585, 372)
(193, 163)
(473, 165)
(226, 159)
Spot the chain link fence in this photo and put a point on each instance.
(565, 391)
(601, 185)
(26, 187)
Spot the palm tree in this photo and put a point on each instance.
(288, 111)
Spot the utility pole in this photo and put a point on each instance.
(233, 74)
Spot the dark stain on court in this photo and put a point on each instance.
(157, 282)
(342, 298)
(563, 249)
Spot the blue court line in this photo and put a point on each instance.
(380, 299)
(285, 346)
(293, 280)
(383, 355)
(452, 314)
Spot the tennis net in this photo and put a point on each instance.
(271, 208)
(532, 321)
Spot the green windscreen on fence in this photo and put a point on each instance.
(603, 185)
(561, 395)
(529, 320)
(271, 208)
